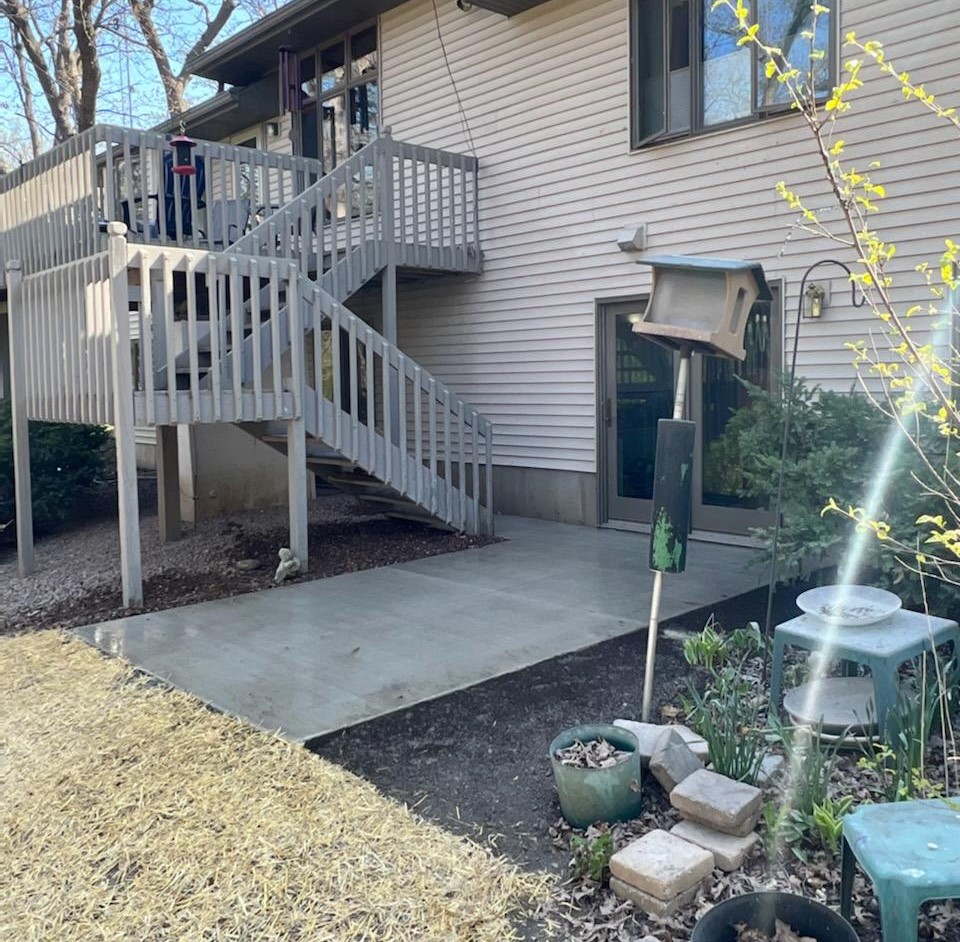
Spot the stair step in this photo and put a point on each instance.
(431, 522)
(355, 481)
(331, 462)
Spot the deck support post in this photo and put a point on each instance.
(23, 497)
(297, 489)
(168, 484)
(130, 563)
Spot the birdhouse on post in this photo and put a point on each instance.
(701, 305)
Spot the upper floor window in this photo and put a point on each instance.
(690, 75)
(340, 110)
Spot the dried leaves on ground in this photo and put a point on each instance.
(132, 812)
(782, 933)
(595, 754)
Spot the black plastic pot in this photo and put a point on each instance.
(761, 910)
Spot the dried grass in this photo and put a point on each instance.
(131, 812)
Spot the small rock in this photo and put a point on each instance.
(672, 760)
(650, 904)
(661, 865)
(718, 802)
(647, 735)
(247, 565)
(770, 768)
(728, 851)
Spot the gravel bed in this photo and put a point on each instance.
(77, 578)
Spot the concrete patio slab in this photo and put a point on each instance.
(315, 657)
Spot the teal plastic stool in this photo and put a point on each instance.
(911, 852)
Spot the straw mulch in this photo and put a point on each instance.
(130, 812)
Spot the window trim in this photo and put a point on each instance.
(342, 90)
(697, 128)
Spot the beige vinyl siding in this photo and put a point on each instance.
(546, 96)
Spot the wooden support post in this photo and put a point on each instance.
(4, 356)
(168, 484)
(130, 565)
(297, 489)
(23, 498)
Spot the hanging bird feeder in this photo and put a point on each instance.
(182, 161)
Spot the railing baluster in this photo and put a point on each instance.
(237, 317)
(255, 324)
(215, 321)
(475, 462)
(418, 431)
(337, 371)
(297, 338)
(192, 338)
(448, 459)
(432, 423)
(354, 387)
(401, 436)
(277, 356)
(316, 315)
(462, 462)
(371, 400)
(387, 413)
(169, 323)
(146, 339)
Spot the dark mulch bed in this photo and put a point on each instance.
(362, 541)
(476, 762)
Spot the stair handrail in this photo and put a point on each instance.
(417, 445)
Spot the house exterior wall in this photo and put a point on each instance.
(546, 97)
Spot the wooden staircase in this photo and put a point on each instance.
(128, 308)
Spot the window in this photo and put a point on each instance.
(691, 75)
(340, 112)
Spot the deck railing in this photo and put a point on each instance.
(54, 209)
(415, 206)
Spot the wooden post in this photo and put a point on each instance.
(297, 489)
(168, 484)
(4, 356)
(679, 406)
(130, 565)
(21, 428)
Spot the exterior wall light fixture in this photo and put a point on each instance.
(814, 301)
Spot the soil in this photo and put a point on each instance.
(78, 583)
(477, 762)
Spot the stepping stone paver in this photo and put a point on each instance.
(661, 865)
(648, 734)
(718, 802)
(650, 904)
(672, 760)
(728, 851)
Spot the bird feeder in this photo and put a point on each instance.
(701, 305)
(697, 305)
(182, 161)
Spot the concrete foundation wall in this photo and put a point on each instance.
(229, 471)
(565, 496)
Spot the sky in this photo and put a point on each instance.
(131, 93)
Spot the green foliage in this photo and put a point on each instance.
(729, 713)
(836, 441)
(711, 649)
(65, 462)
(898, 766)
(808, 815)
(591, 855)
(828, 820)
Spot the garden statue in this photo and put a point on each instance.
(289, 565)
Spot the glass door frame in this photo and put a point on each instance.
(735, 521)
(610, 505)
